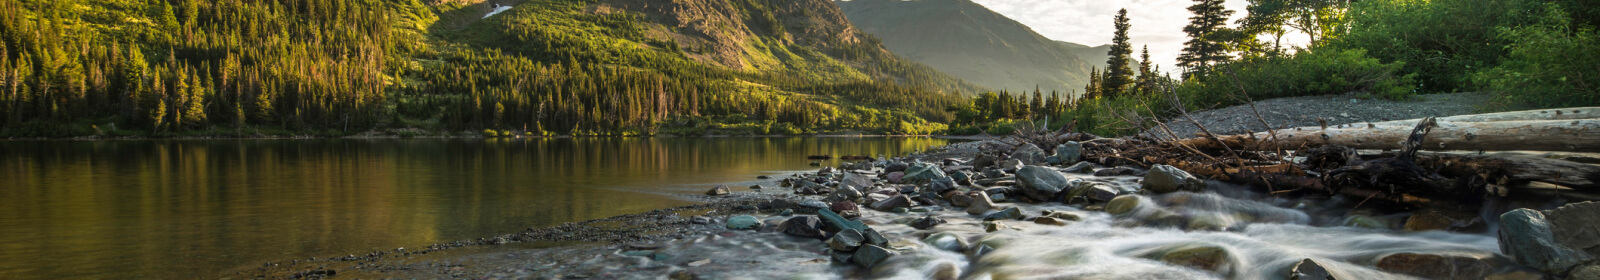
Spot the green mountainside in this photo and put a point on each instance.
(543, 67)
(970, 41)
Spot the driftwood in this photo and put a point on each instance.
(1538, 130)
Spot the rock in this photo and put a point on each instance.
(1123, 204)
(870, 255)
(1070, 152)
(719, 190)
(1165, 179)
(1364, 221)
(1211, 221)
(874, 238)
(1431, 266)
(1117, 171)
(940, 186)
(896, 167)
(1062, 215)
(961, 177)
(923, 172)
(1010, 165)
(946, 241)
(1574, 226)
(1029, 154)
(1093, 192)
(1040, 183)
(763, 177)
(781, 204)
(980, 204)
(846, 241)
(1589, 272)
(833, 222)
(1049, 221)
(1309, 270)
(983, 160)
(1010, 213)
(946, 271)
(743, 222)
(959, 199)
(786, 212)
(857, 181)
(1202, 257)
(842, 206)
(841, 257)
(892, 202)
(894, 177)
(700, 220)
(827, 171)
(1081, 168)
(994, 173)
(980, 250)
(802, 226)
(813, 204)
(1431, 219)
(926, 222)
(755, 187)
(1525, 235)
(772, 224)
(993, 226)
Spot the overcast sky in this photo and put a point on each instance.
(1157, 23)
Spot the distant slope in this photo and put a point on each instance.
(1097, 56)
(969, 41)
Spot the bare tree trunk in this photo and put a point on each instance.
(1577, 135)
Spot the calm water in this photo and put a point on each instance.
(187, 209)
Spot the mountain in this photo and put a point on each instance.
(579, 67)
(1098, 54)
(970, 41)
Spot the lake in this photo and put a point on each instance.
(163, 209)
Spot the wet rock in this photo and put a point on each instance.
(846, 209)
(1165, 179)
(923, 172)
(844, 193)
(1525, 235)
(827, 171)
(802, 226)
(940, 186)
(700, 220)
(1364, 221)
(1049, 221)
(763, 177)
(771, 224)
(1040, 183)
(1029, 154)
(718, 190)
(1590, 272)
(993, 226)
(1010, 213)
(980, 250)
(892, 202)
(846, 241)
(894, 177)
(755, 187)
(786, 212)
(946, 241)
(961, 177)
(743, 222)
(1081, 168)
(1063, 215)
(958, 199)
(1118, 171)
(1211, 222)
(980, 204)
(1308, 269)
(1435, 266)
(1430, 219)
(1069, 153)
(874, 238)
(1010, 165)
(813, 204)
(870, 255)
(946, 271)
(1123, 204)
(927, 222)
(833, 222)
(1202, 257)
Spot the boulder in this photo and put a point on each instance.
(846, 241)
(857, 181)
(1165, 179)
(927, 222)
(842, 206)
(743, 222)
(1049, 221)
(1574, 226)
(719, 190)
(894, 177)
(1430, 266)
(946, 241)
(980, 204)
(1589, 272)
(1029, 154)
(892, 202)
(1525, 235)
(1040, 183)
(1308, 269)
(1123, 204)
(1063, 215)
(1081, 168)
(874, 238)
(984, 160)
(1202, 257)
(833, 222)
(896, 167)
(1010, 213)
(802, 226)
(870, 255)
(923, 172)
(1010, 165)
(1069, 153)
(959, 199)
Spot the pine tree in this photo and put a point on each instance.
(1201, 51)
(1118, 75)
(1092, 90)
(1146, 82)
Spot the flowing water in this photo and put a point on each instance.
(195, 208)
(1257, 237)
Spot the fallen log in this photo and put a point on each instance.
(1579, 113)
(1542, 135)
(1516, 171)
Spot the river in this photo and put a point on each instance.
(178, 209)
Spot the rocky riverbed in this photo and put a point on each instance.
(1002, 210)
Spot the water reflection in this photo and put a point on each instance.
(182, 209)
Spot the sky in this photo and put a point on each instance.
(1156, 23)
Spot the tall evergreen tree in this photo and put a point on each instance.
(1146, 81)
(1202, 51)
(1092, 90)
(1118, 74)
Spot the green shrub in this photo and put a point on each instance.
(1551, 64)
(490, 133)
(1308, 73)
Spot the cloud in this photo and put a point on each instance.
(1156, 23)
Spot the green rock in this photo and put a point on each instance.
(1010, 213)
(743, 222)
(1202, 257)
(832, 222)
(846, 241)
(870, 255)
(1123, 204)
